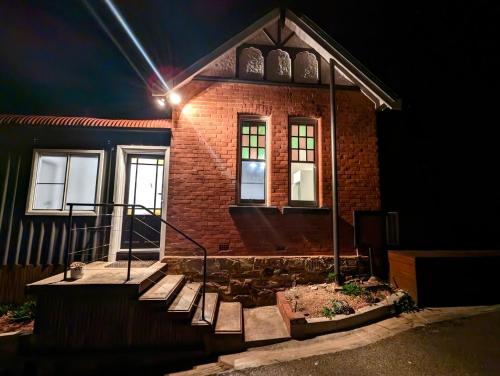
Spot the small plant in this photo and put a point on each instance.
(76, 270)
(23, 312)
(5, 308)
(331, 277)
(77, 265)
(405, 304)
(352, 289)
(338, 307)
(370, 297)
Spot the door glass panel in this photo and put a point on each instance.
(145, 184)
(144, 187)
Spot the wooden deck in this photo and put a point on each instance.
(446, 278)
(100, 275)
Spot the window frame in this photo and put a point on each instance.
(37, 153)
(251, 118)
(294, 120)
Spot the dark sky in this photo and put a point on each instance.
(439, 157)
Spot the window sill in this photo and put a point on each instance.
(304, 210)
(58, 213)
(237, 209)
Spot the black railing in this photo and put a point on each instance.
(131, 233)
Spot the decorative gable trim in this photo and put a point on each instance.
(320, 43)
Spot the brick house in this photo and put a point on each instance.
(243, 166)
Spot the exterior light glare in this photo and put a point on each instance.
(174, 98)
(160, 102)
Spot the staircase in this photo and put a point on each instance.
(225, 327)
(181, 302)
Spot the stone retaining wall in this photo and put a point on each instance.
(254, 281)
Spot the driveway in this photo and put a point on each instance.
(467, 346)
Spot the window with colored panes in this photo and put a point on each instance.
(303, 162)
(252, 161)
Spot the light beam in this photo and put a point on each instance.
(134, 39)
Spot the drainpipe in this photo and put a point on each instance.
(335, 193)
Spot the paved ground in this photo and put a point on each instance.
(468, 346)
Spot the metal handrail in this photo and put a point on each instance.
(134, 206)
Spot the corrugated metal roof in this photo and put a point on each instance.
(6, 119)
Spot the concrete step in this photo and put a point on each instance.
(211, 300)
(264, 326)
(185, 301)
(228, 334)
(164, 291)
(210, 369)
(229, 319)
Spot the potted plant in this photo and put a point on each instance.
(76, 269)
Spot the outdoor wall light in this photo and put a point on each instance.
(160, 102)
(174, 98)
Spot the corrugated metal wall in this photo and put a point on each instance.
(40, 241)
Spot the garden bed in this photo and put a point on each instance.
(327, 299)
(17, 318)
(325, 308)
(8, 325)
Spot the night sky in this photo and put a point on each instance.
(439, 157)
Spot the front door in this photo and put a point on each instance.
(144, 186)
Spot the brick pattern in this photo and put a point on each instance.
(203, 168)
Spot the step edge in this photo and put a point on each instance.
(190, 309)
(203, 323)
(241, 324)
(166, 298)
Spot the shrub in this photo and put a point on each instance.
(331, 277)
(23, 312)
(405, 304)
(338, 307)
(4, 308)
(352, 289)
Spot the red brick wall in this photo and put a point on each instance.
(203, 163)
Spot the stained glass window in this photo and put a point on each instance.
(303, 143)
(253, 161)
(303, 162)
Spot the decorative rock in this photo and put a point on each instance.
(245, 300)
(247, 276)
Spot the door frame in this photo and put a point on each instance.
(122, 153)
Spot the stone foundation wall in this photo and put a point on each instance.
(254, 281)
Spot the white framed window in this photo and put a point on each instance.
(59, 177)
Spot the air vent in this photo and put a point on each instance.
(223, 247)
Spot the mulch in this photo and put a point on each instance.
(310, 299)
(8, 325)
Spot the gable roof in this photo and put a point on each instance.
(81, 121)
(382, 96)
